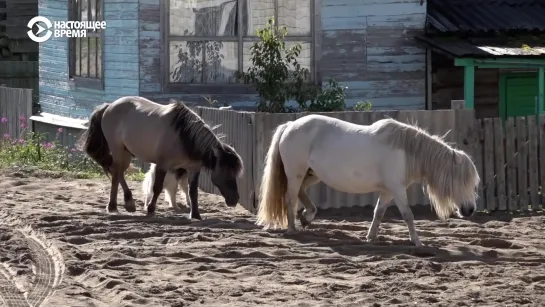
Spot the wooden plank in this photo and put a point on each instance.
(488, 157)
(533, 167)
(499, 154)
(541, 132)
(511, 166)
(463, 134)
(478, 150)
(522, 163)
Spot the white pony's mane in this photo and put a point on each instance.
(448, 174)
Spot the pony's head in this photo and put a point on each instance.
(227, 168)
(454, 187)
(467, 178)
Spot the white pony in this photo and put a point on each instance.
(386, 157)
(170, 186)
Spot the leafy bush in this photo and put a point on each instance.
(362, 106)
(278, 76)
(32, 149)
(329, 99)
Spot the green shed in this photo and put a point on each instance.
(487, 53)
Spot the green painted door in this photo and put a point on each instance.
(520, 92)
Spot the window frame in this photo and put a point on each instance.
(78, 81)
(236, 88)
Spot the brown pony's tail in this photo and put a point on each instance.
(94, 142)
(272, 209)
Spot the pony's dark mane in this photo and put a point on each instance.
(200, 142)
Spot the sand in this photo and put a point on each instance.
(60, 247)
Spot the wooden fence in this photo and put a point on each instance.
(14, 104)
(20, 74)
(507, 154)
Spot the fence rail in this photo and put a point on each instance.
(14, 103)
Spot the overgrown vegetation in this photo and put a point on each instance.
(362, 106)
(279, 77)
(33, 151)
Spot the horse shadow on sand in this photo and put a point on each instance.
(347, 245)
(341, 239)
(420, 212)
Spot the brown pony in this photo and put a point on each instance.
(171, 136)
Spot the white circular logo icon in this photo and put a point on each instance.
(48, 24)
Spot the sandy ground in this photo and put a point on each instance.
(58, 246)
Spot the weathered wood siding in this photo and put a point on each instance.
(448, 84)
(57, 94)
(150, 63)
(367, 45)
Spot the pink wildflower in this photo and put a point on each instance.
(48, 145)
(21, 141)
(4, 120)
(59, 130)
(23, 126)
(22, 118)
(74, 149)
(6, 136)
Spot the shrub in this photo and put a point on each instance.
(330, 98)
(278, 77)
(362, 106)
(33, 149)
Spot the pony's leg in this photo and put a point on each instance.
(306, 214)
(157, 188)
(400, 197)
(130, 204)
(380, 209)
(194, 195)
(292, 197)
(183, 183)
(112, 202)
(170, 186)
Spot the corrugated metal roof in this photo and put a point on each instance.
(463, 48)
(459, 16)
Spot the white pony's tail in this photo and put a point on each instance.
(147, 184)
(272, 209)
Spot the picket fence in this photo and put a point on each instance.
(508, 154)
(15, 109)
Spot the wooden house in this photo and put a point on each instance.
(187, 49)
(491, 53)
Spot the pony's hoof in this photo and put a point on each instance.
(290, 231)
(130, 206)
(299, 213)
(417, 243)
(112, 210)
(150, 214)
(196, 216)
(371, 239)
(304, 222)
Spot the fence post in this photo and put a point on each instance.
(457, 104)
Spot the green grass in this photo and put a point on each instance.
(31, 153)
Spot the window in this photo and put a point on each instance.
(207, 41)
(86, 53)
